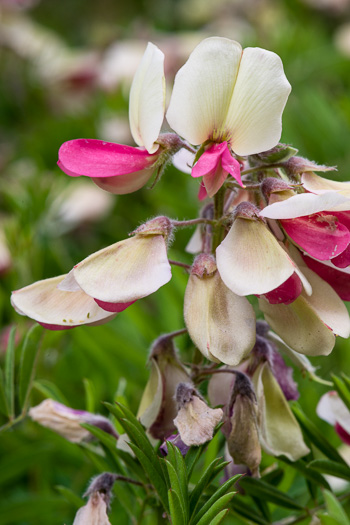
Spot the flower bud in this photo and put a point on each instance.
(242, 429)
(195, 421)
(280, 153)
(67, 421)
(157, 408)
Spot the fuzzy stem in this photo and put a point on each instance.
(182, 265)
(192, 222)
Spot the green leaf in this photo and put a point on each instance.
(49, 389)
(219, 517)
(346, 380)
(70, 496)
(342, 390)
(201, 485)
(30, 350)
(132, 464)
(316, 437)
(216, 509)
(221, 491)
(89, 395)
(327, 520)
(10, 373)
(178, 462)
(331, 468)
(260, 489)
(3, 401)
(180, 491)
(155, 478)
(334, 508)
(243, 509)
(175, 507)
(303, 468)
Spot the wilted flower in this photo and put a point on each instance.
(220, 323)
(230, 97)
(333, 410)
(116, 276)
(158, 406)
(67, 421)
(100, 493)
(195, 421)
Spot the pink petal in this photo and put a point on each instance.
(123, 184)
(287, 292)
(320, 235)
(57, 326)
(344, 436)
(97, 158)
(214, 181)
(342, 260)
(338, 280)
(231, 165)
(209, 161)
(113, 307)
(202, 194)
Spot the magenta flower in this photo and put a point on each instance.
(114, 167)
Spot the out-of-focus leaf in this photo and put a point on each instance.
(260, 489)
(302, 467)
(176, 509)
(327, 520)
(218, 519)
(3, 401)
(335, 509)
(70, 496)
(32, 510)
(331, 468)
(245, 510)
(49, 389)
(89, 395)
(316, 437)
(29, 354)
(10, 373)
(274, 477)
(342, 390)
(215, 497)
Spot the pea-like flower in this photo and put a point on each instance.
(333, 410)
(118, 168)
(231, 97)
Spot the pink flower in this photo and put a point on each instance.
(114, 167)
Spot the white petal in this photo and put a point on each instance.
(254, 118)
(183, 160)
(203, 89)
(324, 409)
(126, 271)
(69, 284)
(94, 512)
(45, 303)
(340, 411)
(152, 397)
(306, 204)
(250, 260)
(147, 99)
(317, 184)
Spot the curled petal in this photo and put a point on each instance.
(126, 271)
(209, 161)
(97, 158)
(306, 204)
(152, 398)
(114, 307)
(321, 235)
(337, 278)
(254, 117)
(220, 323)
(57, 309)
(203, 89)
(147, 99)
(250, 260)
(287, 292)
(123, 184)
(280, 433)
(316, 184)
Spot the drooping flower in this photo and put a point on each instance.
(117, 276)
(67, 422)
(158, 408)
(332, 409)
(98, 505)
(220, 323)
(229, 97)
(195, 421)
(114, 167)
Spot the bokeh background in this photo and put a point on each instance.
(66, 69)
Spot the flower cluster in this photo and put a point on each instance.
(271, 228)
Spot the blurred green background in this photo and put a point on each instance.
(65, 70)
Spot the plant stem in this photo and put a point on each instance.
(182, 265)
(262, 167)
(218, 213)
(182, 331)
(192, 222)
